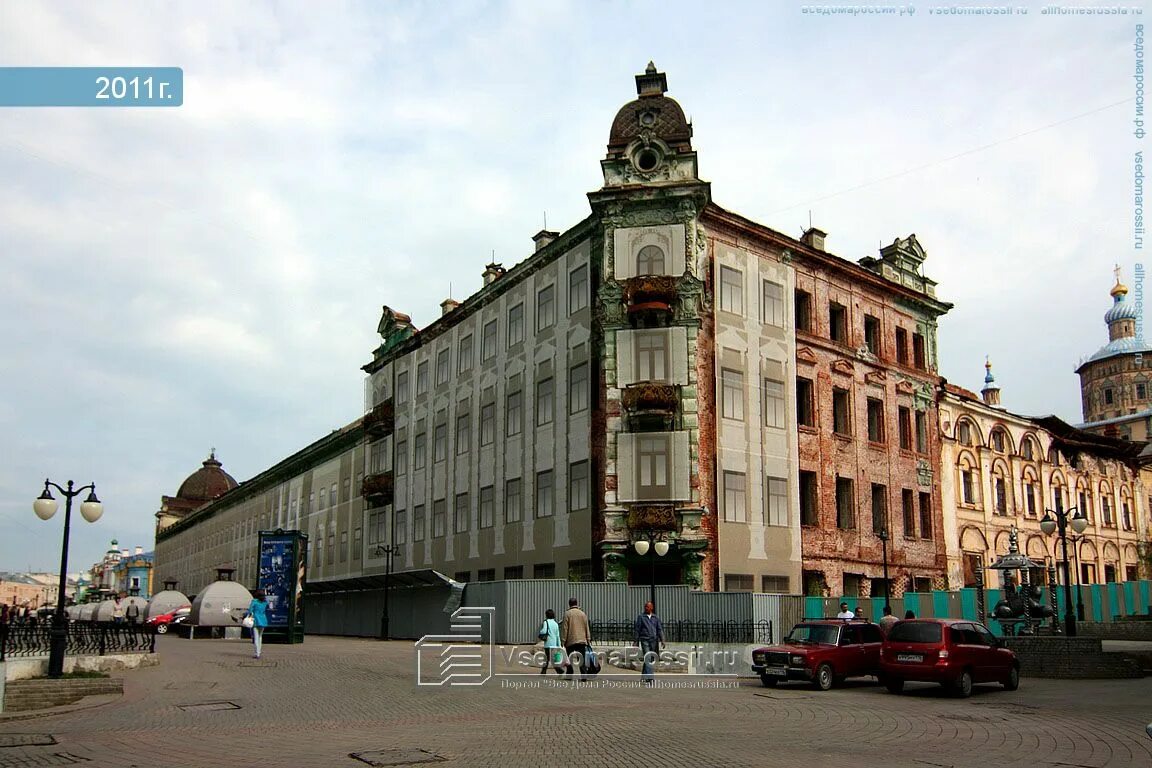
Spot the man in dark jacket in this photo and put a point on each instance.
(576, 635)
(650, 637)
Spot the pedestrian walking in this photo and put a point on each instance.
(258, 610)
(117, 610)
(132, 612)
(650, 637)
(845, 613)
(549, 632)
(887, 621)
(576, 635)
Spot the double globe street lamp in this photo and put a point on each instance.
(659, 547)
(1060, 521)
(45, 507)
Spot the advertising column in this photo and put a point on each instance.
(283, 567)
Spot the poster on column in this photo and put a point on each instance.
(281, 577)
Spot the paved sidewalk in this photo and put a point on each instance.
(210, 704)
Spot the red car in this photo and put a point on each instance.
(821, 651)
(953, 652)
(162, 621)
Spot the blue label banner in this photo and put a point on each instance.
(278, 576)
(91, 86)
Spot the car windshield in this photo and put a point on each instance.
(813, 633)
(916, 632)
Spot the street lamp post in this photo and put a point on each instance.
(652, 540)
(1059, 521)
(389, 551)
(45, 507)
(1076, 563)
(884, 550)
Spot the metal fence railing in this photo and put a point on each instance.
(746, 632)
(28, 639)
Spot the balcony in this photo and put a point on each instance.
(377, 489)
(650, 294)
(653, 517)
(651, 406)
(380, 421)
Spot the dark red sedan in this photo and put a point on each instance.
(953, 652)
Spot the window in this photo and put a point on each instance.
(998, 440)
(919, 356)
(578, 388)
(464, 356)
(546, 307)
(650, 261)
(803, 310)
(344, 546)
(401, 527)
(331, 555)
(577, 289)
(463, 433)
(872, 334)
(805, 412)
(487, 424)
(967, 486)
(734, 498)
(838, 322)
(841, 414)
(418, 452)
(738, 582)
(512, 501)
(875, 420)
(776, 512)
(443, 367)
(578, 487)
(515, 325)
(925, 516)
(486, 574)
(1000, 491)
(1026, 449)
(905, 421)
(732, 394)
(439, 512)
(653, 469)
(731, 290)
(323, 498)
(964, 433)
(440, 443)
(908, 503)
(1029, 497)
(514, 414)
(487, 504)
(402, 388)
(879, 508)
(773, 403)
(845, 514)
(462, 576)
(1108, 397)
(773, 304)
(400, 462)
(544, 571)
(1141, 392)
(462, 513)
(579, 570)
(1106, 511)
(921, 432)
(774, 584)
(809, 504)
(902, 346)
(513, 572)
(1126, 515)
(544, 402)
(651, 356)
(488, 341)
(422, 378)
(545, 496)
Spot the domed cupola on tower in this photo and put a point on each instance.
(202, 486)
(651, 139)
(1113, 380)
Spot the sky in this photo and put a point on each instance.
(211, 276)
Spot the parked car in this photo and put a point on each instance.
(162, 621)
(821, 651)
(953, 652)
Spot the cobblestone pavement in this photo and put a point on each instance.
(316, 703)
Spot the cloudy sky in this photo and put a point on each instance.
(212, 275)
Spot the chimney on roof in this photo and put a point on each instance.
(544, 237)
(493, 272)
(814, 238)
(447, 306)
(170, 583)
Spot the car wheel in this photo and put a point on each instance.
(1012, 682)
(161, 629)
(824, 678)
(962, 688)
(893, 685)
(768, 682)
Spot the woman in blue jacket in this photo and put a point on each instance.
(553, 651)
(258, 610)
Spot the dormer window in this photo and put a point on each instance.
(650, 261)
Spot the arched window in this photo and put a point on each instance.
(1001, 490)
(999, 440)
(1028, 449)
(969, 472)
(1126, 519)
(1107, 517)
(650, 261)
(1031, 493)
(964, 433)
(1084, 500)
(1058, 485)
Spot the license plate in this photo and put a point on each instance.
(913, 657)
(777, 671)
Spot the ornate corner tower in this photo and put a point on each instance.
(653, 326)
